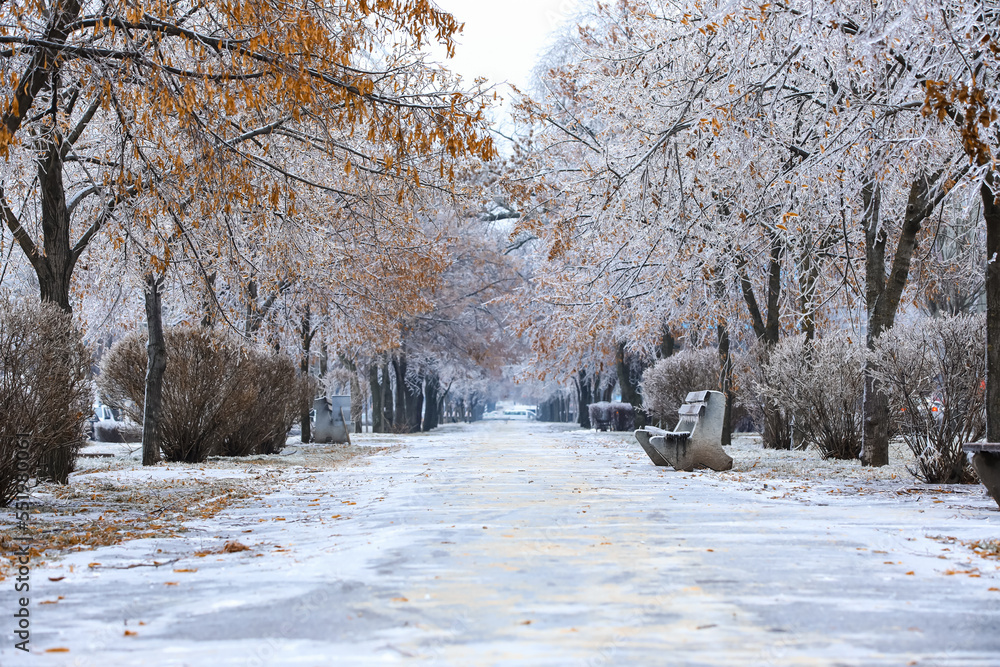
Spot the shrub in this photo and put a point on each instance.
(666, 384)
(271, 400)
(217, 399)
(821, 384)
(934, 371)
(44, 391)
(761, 406)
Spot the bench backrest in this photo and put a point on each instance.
(705, 410)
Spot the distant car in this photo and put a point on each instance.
(109, 425)
(519, 412)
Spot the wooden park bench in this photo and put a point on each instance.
(696, 441)
(986, 461)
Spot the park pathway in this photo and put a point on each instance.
(530, 544)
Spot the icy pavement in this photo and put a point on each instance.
(531, 544)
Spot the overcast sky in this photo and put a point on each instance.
(501, 40)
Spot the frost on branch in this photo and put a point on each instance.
(935, 370)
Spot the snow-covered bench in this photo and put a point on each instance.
(986, 461)
(697, 438)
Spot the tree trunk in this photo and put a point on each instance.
(667, 343)
(883, 293)
(583, 398)
(307, 337)
(415, 405)
(442, 401)
(991, 212)
(630, 392)
(357, 403)
(401, 423)
(54, 267)
(776, 434)
(357, 400)
(376, 390)
(387, 412)
(431, 406)
(875, 405)
(726, 381)
(55, 261)
(608, 392)
(156, 365)
(808, 277)
(207, 301)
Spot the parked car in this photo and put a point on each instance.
(109, 425)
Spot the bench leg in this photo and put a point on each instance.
(987, 466)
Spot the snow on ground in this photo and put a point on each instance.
(518, 543)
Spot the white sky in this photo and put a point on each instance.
(501, 40)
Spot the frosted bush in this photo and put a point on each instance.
(272, 395)
(934, 371)
(668, 382)
(44, 392)
(217, 398)
(820, 384)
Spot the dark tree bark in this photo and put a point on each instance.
(883, 293)
(414, 405)
(55, 268)
(776, 434)
(583, 395)
(875, 407)
(401, 422)
(442, 401)
(991, 212)
(307, 333)
(156, 365)
(667, 344)
(387, 411)
(431, 405)
(726, 381)
(207, 303)
(630, 392)
(376, 391)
